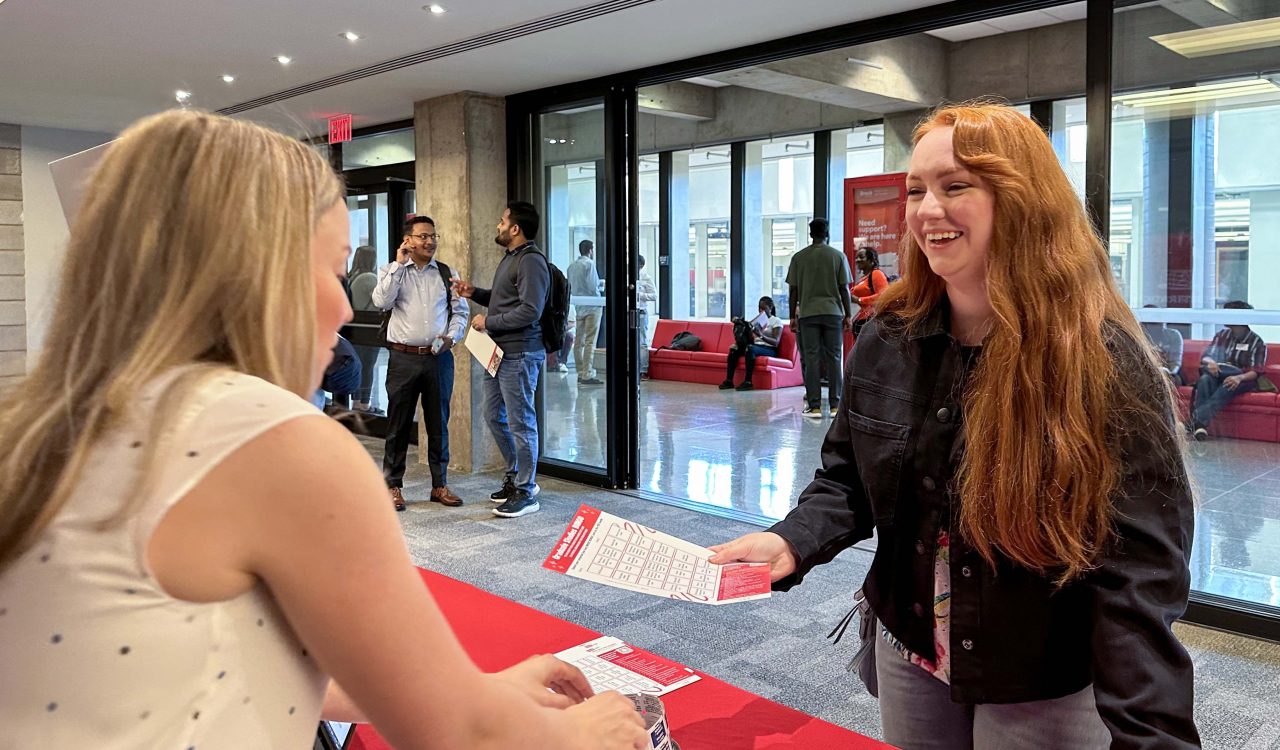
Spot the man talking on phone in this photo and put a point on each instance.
(427, 319)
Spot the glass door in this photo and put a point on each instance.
(576, 165)
(379, 199)
(577, 381)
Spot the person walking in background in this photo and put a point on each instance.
(869, 287)
(361, 281)
(1168, 342)
(584, 281)
(173, 513)
(427, 319)
(646, 295)
(1229, 368)
(521, 287)
(1024, 588)
(818, 280)
(765, 331)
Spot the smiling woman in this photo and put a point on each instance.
(1004, 470)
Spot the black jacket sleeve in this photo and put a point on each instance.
(1142, 676)
(833, 512)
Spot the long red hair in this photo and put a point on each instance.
(1042, 463)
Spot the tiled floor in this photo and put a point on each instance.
(752, 453)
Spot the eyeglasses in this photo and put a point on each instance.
(424, 237)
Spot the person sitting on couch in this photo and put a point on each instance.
(1230, 367)
(766, 331)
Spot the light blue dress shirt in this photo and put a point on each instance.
(417, 300)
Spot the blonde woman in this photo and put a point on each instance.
(177, 523)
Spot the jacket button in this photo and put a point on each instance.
(966, 571)
(929, 484)
(967, 644)
(944, 414)
(919, 547)
(917, 609)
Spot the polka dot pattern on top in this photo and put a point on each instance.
(110, 660)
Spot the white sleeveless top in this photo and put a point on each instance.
(94, 654)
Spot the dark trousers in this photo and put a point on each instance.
(820, 337)
(755, 350)
(1211, 396)
(368, 362)
(410, 377)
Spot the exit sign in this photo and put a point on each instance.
(339, 129)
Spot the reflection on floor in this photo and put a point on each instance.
(775, 647)
(752, 452)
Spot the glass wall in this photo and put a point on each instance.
(777, 208)
(1195, 217)
(700, 191)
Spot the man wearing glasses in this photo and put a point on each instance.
(426, 320)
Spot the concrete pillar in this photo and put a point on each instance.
(897, 139)
(755, 280)
(678, 234)
(462, 183)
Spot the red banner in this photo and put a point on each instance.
(875, 215)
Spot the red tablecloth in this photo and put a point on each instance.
(707, 715)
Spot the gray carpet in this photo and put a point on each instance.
(775, 648)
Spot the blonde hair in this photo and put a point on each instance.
(1042, 461)
(191, 253)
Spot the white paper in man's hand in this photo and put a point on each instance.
(484, 349)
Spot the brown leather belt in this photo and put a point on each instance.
(409, 349)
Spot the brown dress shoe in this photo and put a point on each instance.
(446, 498)
(397, 498)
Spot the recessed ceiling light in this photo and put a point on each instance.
(350, 36)
(228, 79)
(434, 8)
(284, 59)
(181, 96)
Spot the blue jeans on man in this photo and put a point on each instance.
(1210, 395)
(509, 410)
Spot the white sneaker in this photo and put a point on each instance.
(561, 368)
(812, 412)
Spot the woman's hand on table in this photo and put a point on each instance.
(608, 721)
(549, 681)
(761, 546)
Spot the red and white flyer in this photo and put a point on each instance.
(604, 548)
(611, 664)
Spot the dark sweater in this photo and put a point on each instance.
(516, 300)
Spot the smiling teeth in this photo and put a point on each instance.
(943, 235)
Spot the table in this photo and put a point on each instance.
(708, 715)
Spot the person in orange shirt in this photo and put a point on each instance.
(868, 288)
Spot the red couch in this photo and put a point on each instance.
(708, 364)
(1252, 416)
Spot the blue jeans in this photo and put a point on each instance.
(508, 407)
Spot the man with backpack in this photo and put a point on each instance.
(528, 294)
(426, 318)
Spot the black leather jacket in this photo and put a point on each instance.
(888, 463)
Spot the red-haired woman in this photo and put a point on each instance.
(1008, 435)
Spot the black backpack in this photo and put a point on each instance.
(555, 313)
(685, 341)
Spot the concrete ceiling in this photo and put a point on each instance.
(98, 66)
(1016, 22)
